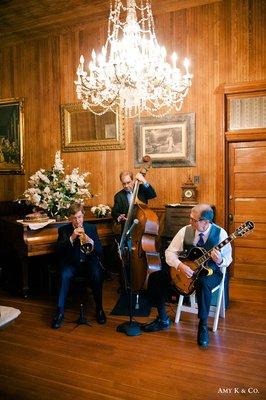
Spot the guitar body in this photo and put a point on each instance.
(183, 284)
(197, 258)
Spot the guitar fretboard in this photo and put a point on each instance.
(206, 256)
(247, 226)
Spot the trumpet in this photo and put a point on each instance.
(84, 247)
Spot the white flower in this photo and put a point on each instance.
(46, 190)
(36, 198)
(54, 191)
(58, 164)
(43, 177)
(101, 210)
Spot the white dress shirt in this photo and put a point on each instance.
(129, 196)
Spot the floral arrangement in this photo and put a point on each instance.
(101, 210)
(54, 191)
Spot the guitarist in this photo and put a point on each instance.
(201, 232)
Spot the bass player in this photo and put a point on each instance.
(123, 197)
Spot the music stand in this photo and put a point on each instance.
(130, 328)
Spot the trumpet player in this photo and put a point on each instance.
(80, 252)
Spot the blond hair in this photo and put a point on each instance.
(125, 173)
(74, 208)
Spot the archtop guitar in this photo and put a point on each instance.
(197, 259)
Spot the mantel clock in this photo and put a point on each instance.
(189, 193)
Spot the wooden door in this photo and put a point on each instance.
(247, 201)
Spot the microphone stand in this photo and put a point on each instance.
(130, 328)
(82, 320)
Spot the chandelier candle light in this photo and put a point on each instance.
(131, 74)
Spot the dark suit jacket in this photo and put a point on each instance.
(121, 203)
(70, 254)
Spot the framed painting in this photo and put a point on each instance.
(11, 136)
(169, 141)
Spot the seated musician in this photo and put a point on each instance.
(201, 232)
(123, 197)
(80, 252)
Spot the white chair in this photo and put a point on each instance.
(215, 311)
(7, 314)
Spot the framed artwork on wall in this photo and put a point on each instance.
(81, 130)
(11, 136)
(169, 141)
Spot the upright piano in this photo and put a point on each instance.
(26, 243)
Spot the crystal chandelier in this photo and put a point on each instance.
(131, 74)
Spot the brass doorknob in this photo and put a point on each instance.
(230, 218)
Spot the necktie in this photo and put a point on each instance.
(200, 241)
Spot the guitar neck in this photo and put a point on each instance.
(206, 256)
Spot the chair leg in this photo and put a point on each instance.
(216, 311)
(220, 300)
(179, 307)
(222, 309)
(193, 302)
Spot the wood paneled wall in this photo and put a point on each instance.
(225, 42)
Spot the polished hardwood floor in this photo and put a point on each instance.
(97, 362)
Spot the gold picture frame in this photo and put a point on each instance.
(11, 136)
(82, 130)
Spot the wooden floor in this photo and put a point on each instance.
(97, 362)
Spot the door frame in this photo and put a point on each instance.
(224, 137)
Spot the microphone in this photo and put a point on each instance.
(134, 223)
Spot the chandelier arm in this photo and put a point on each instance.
(126, 78)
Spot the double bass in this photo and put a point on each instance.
(144, 257)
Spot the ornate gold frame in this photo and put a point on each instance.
(11, 136)
(69, 116)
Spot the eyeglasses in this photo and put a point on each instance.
(195, 220)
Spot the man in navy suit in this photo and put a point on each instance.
(79, 251)
(123, 197)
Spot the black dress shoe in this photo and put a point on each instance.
(100, 317)
(157, 325)
(57, 321)
(203, 336)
